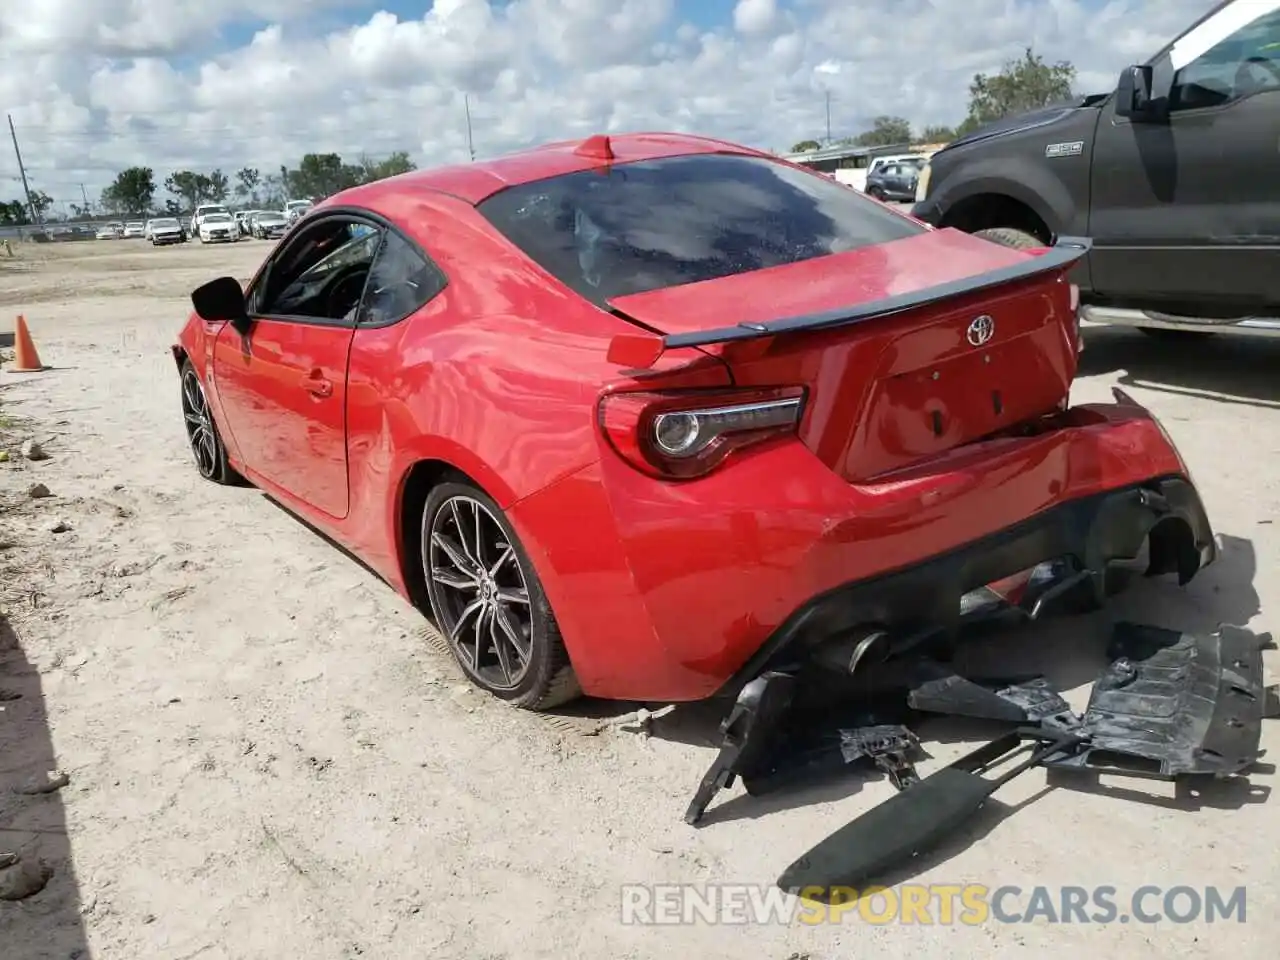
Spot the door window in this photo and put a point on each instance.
(400, 281)
(1244, 62)
(321, 275)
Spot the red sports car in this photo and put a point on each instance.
(640, 416)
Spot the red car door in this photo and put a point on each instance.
(283, 385)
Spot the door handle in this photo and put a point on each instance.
(317, 385)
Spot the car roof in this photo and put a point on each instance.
(476, 182)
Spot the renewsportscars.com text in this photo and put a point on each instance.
(930, 904)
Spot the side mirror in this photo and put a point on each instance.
(1133, 95)
(222, 299)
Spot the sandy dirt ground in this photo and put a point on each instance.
(267, 756)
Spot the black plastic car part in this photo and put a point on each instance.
(771, 741)
(915, 820)
(1175, 704)
(748, 734)
(1169, 705)
(1082, 537)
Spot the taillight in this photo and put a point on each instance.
(679, 435)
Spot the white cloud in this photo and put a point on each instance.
(754, 17)
(96, 85)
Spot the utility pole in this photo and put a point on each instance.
(85, 196)
(466, 105)
(828, 93)
(26, 189)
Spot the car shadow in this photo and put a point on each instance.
(1222, 367)
(1069, 652)
(47, 921)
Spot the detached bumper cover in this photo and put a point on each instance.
(1090, 533)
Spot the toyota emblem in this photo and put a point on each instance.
(981, 330)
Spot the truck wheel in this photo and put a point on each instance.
(1009, 237)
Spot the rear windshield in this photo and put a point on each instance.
(661, 223)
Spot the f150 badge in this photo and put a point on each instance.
(1072, 149)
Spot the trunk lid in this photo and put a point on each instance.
(907, 349)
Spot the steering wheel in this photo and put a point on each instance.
(342, 292)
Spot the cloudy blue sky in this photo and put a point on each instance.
(97, 85)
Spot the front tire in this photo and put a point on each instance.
(488, 602)
(202, 433)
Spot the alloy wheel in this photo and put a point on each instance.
(484, 596)
(195, 411)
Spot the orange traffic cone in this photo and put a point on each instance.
(25, 358)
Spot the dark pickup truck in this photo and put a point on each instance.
(1175, 176)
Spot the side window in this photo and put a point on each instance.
(321, 274)
(1244, 62)
(400, 281)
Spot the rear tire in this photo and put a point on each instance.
(202, 432)
(1009, 237)
(488, 602)
(875, 193)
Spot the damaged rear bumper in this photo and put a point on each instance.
(1085, 536)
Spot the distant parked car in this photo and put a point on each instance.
(110, 231)
(269, 225)
(294, 209)
(204, 210)
(218, 228)
(135, 230)
(894, 181)
(165, 230)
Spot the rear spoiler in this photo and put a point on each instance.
(643, 350)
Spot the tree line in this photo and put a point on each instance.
(1021, 85)
(133, 192)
